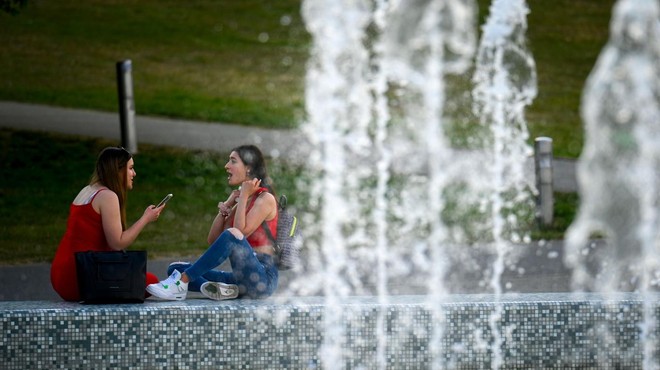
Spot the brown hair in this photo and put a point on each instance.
(111, 173)
(252, 158)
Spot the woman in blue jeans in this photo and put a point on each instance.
(236, 234)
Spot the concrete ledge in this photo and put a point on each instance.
(550, 330)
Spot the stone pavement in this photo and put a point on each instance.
(34, 278)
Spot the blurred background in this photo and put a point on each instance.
(240, 62)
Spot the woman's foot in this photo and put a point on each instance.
(219, 291)
(171, 289)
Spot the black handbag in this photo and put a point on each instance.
(112, 277)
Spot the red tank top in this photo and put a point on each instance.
(258, 238)
(84, 232)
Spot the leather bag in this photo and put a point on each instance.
(111, 277)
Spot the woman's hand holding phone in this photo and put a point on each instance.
(165, 200)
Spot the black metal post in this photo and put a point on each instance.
(126, 105)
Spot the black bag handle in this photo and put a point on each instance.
(96, 257)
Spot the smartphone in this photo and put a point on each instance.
(165, 200)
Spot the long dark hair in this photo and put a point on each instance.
(254, 160)
(111, 172)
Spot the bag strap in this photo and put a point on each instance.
(269, 234)
(281, 205)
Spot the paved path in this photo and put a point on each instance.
(219, 137)
(34, 278)
(159, 131)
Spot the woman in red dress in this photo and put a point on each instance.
(97, 220)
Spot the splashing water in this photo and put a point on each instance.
(618, 169)
(375, 95)
(375, 101)
(383, 165)
(505, 82)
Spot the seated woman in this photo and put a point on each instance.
(97, 220)
(236, 234)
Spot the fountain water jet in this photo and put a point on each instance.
(377, 80)
(366, 107)
(505, 83)
(618, 169)
(364, 52)
(384, 166)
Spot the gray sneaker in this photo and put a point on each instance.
(219, 291)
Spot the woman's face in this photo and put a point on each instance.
(130, 173)
(236, 170)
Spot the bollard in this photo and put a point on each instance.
(543, 163)
(126, 105)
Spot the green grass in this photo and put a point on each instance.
(210, 61)
(565, 37)
(42, 173)
(201, 60)
(204, 60)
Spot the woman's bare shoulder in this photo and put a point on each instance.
(266, 199)
(106, 195)
(266, 196)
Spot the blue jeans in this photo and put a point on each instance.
(255, 273)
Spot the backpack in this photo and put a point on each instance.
(289, 239)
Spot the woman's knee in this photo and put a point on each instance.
(236, 232)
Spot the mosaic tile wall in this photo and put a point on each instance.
(535, 331)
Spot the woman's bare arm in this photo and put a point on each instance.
(108, 206)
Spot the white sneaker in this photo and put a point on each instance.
(171, 289)
(219, 291)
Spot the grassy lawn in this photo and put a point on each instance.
(224, 61)
(244, 61)
(565, 37)
(42, 173)
(228, 61)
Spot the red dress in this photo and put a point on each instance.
(84, 232)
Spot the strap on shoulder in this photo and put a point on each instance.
(91, 197)
(264, 225)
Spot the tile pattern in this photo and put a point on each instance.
(534, 331)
